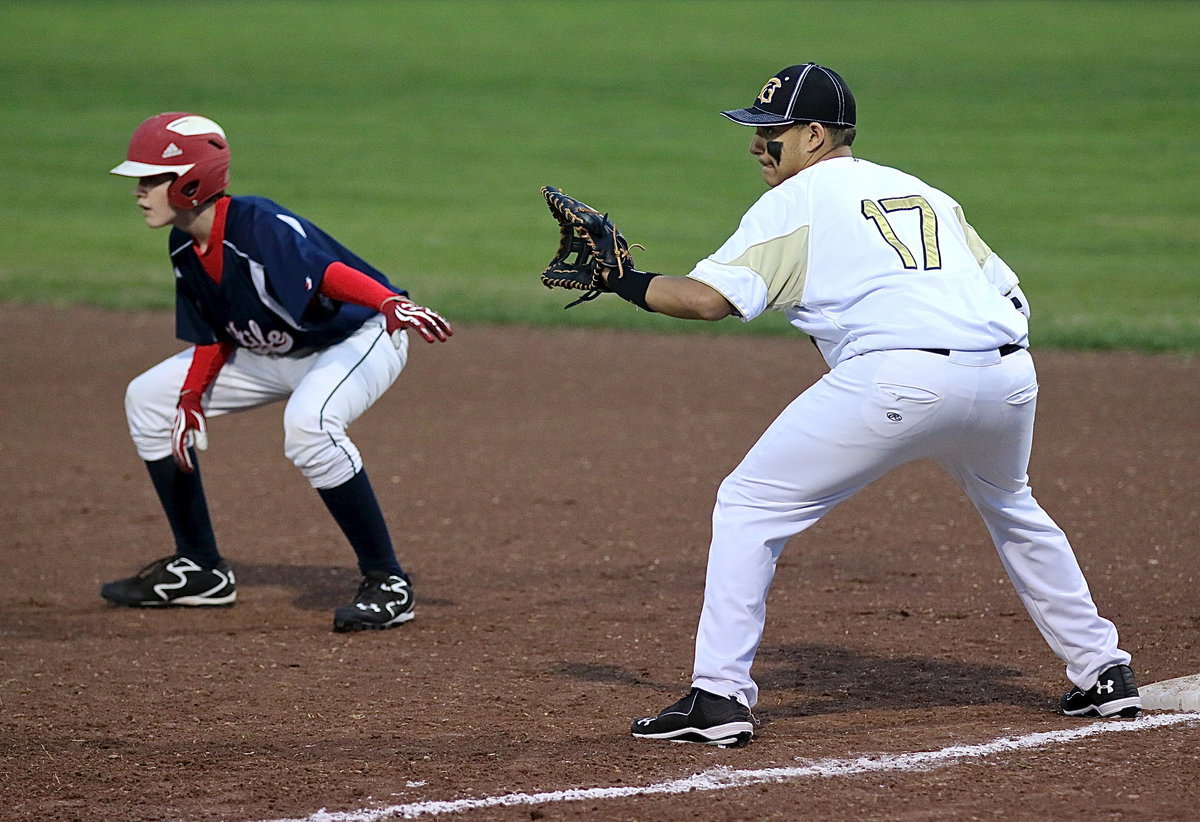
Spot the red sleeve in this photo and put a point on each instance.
(341, 282)
(206, 362)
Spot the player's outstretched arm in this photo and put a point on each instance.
(341, 282)
(681, 297)
(687, 299)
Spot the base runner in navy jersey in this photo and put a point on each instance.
(275, 310)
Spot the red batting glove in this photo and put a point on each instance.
(402, 313)
(190, 429)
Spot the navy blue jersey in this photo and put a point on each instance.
(268, 298)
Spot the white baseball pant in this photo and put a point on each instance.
(325, 392)
(970, 412)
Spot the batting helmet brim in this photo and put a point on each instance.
(131, 168)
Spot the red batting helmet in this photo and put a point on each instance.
(191, 146)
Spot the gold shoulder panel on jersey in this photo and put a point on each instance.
(978, 247)
(782, 263)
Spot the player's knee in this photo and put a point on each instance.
(148, 410)
(149, 413)
(324, 463)
(139, 393)
(734, 489)
(322, 452)
(303, 437)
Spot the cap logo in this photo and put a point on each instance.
(171, 151)
(768, 91)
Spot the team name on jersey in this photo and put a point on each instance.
(273, 342)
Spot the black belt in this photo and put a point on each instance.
(1004, 350)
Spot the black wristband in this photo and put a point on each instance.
(631, 285)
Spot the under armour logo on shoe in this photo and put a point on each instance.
(1105, 687)
(171, 151)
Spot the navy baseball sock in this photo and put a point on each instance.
(182, 498)
(356, 510)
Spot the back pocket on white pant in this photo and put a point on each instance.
(898, 408)
(907, 393)
(1023, 396)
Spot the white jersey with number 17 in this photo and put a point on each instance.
(862, 257)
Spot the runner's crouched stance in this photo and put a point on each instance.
(275, 310)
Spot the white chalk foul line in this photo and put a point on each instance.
(720, 778)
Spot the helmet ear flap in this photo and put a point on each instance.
(201, 183)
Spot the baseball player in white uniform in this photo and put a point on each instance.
(925, 332)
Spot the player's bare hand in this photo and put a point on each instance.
(190, 430)
(401, 313)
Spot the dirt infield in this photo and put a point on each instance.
(555, 522)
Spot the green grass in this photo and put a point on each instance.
(420, 132)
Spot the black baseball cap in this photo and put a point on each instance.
(800, 94)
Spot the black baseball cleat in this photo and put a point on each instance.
(700, 717)
(174, 580)
(1115, 694)
(384, 600)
